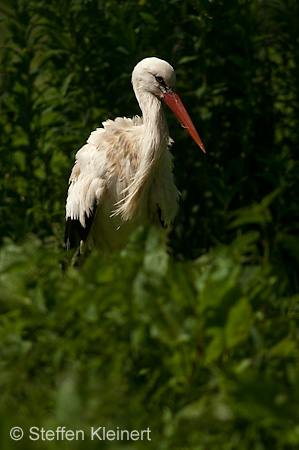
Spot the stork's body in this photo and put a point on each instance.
(122, 177)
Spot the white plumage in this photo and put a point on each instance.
(122, 176)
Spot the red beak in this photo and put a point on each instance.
(176, 105)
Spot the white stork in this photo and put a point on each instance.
(122, 177)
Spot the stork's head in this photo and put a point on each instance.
(153, 75)
(157, 77)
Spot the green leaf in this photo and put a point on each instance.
(238, 324)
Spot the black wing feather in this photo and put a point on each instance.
(160, 217)
(75, 232)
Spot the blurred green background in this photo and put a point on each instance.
(200, 344)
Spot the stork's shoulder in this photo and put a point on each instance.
(106, 143)
(114, 129)
(122, 123)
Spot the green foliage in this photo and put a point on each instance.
(203, 353)
(199, 343)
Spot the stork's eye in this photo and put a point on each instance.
(159, 79)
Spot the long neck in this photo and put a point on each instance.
(154, 143)
(155, 139)
(156, 133)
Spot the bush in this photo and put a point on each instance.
(202, 353)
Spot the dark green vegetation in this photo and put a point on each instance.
(200, 345)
